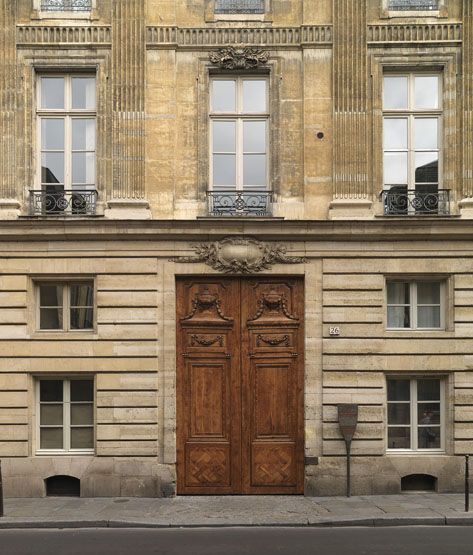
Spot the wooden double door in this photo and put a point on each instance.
(240, 385)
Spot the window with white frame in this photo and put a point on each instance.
(416, 414)
(65, 306)
(239, 122)
(239, 6)
(412, 121)
(415, 304)
(66, 111)
(413, 5)
(65, 5)
(65, 409)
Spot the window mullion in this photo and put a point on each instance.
(414, 434)
(239, 154)
(66, 415)
(413, 295)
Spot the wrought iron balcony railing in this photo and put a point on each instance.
(240, 203)
(400, 202)
(413, 5)
(239, 6)
(63, 203)
(66, 5)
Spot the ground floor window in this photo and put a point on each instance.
(415, 414)
(66, 415)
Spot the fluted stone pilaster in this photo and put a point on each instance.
(350, 90)
(467, 98)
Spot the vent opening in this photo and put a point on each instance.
(419, 482)
(62, 486)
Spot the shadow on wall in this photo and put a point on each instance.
(62, 486)
(419, 482)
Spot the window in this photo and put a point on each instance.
(413, 5)
(415, 414)
(412, 126)
(415, 305)
(66, 306)
(65, 5)
(66, 415)
(239, 6)
(239, 142)
(66, 127)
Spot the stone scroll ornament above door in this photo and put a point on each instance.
(239, 58)
(240, 255)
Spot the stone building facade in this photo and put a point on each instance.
(220, 219)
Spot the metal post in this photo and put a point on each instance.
(1, 491)
(348, 444)
(467, 483)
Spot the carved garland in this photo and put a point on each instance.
(239, 58)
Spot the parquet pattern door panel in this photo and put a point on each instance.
(239, 386)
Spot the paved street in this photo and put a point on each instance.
(241, 541)
(208, 511)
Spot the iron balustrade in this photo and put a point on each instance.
(413, 5)
(66, 5)
(239, 6)
(63, 203)
(240, 203)
(398, 201)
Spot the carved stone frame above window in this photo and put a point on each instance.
(386, 13)
(37, 13)
(210, 14)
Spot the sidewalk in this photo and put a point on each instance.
(380, 510)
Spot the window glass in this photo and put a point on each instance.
(224, 136)
(395, 168)
(52, 134)
(399, 390)
(223, 95)
(66, 5)
(395, 133)
(426, 91)
(83, 93)
(239, 6)
(82, 390)
(51, 390)
(395, 92)
(426, 133)
(408, 5)
(52, 93)
(76, 314)
(414, 304)
(224, 170)
(254, 96)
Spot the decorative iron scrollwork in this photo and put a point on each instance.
(272, 341)
(206, 342)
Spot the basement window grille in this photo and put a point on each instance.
(413, 5)
(239, 6)
(66, 5)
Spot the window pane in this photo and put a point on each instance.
(239, 6)
(82, 318)
(428, 317)
(83, 168)
(428, 413)
(254, 169)
(50, 295)
(427, 167)
(50, 319)
(224, 138)
(426, 91)
(82, 415)
(395, 92)
(82, 390)
(50, 390)
(398, 292)
(82, 294)
(399, 438)
(395, 133)
(428, 390)
(395, 168)
(254, 136)
(399, 390)
(399, 413)
(399, 317)
(428, 438)
(52, 134)
(82, 438)
(52, 92)
(428, 293)
(223, 96)
(224, 171)
(51, 415)
(83, 93)
(51, 438)
(426, 133)
(52, 167)
(254, 96)
(83, 134)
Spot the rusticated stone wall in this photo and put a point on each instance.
(128, 83)
(350, 100)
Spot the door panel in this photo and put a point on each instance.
(240, 385)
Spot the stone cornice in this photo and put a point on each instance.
(211, 37)
(406, 33)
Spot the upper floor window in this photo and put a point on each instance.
(66, 136)
(239, 141)
(239, 6)
(412, 112)
(65, 5)
(413, 5)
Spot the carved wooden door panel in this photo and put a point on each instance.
(239, 385)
